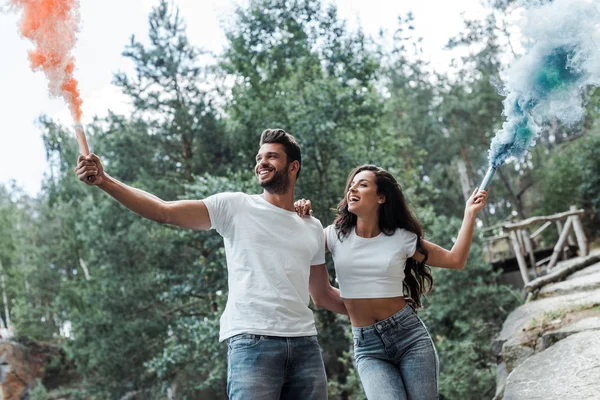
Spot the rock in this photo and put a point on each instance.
(568, 370)
(522, 315)
(586, 324)
(514, 352)
(501, 375)
(592, 269)
(21, 365)
(19, 371)
(573, 284)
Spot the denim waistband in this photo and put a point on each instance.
(388, 323)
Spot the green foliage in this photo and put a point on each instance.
(39, 392)
(178, 118)
(571, 178)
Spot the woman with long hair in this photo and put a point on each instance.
(381, 262)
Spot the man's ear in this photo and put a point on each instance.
(294, 167)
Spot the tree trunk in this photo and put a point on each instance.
(4, 298)
(513, 197)
(465, 183)
(465, 171)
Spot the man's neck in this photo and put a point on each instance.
(283, 200)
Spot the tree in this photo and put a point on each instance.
(173, 98)
(571, 178)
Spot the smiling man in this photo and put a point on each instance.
(274, 259)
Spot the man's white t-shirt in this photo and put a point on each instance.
(269, 252)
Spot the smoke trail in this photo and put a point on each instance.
(52, 26)
(562, 59)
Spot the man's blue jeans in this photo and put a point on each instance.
(396, 358)
(272, 368)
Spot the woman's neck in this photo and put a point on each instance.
(367, 226)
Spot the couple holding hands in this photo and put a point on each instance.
(275, 253)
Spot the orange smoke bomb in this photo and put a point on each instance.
(52, 26)
(81, 141)
(83, 146)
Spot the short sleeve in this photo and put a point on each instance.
(410, 244)
(319, 257)
(221, 208)
(331, 236)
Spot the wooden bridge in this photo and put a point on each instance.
(533, 258)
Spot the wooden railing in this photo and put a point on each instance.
(523, 242)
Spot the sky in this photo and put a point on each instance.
(106, 28)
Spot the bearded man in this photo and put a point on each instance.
(275, 259)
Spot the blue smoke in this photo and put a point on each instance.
(548, 81)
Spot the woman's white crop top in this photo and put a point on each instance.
(371, 268)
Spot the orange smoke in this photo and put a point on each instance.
(52, 26)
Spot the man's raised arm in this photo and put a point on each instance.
(191, 214)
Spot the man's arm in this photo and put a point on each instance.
(191, 214)
(323, 294)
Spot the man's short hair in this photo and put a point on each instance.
(291, 147)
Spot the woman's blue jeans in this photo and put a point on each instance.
(396, 358)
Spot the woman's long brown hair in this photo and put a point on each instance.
(393, 214)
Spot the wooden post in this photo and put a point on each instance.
(561, 242)
(540, 230)
(520, 239)
(582, 242)
(519, 254)
(528, 247)
(559, 228)
(570, 239)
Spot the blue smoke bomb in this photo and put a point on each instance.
(562, 41)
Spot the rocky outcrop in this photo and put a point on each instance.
(19, 371)
(584, 325)
(22, 365)
(532, 313)
(549, 348)
(568, 370)
(577, 284)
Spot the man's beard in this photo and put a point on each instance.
(279, 183)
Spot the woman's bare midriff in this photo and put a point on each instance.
(365, 312)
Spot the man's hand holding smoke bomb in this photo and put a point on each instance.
(87, 166)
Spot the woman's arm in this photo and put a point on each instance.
(456, 258)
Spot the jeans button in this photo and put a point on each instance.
(379, 326)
